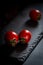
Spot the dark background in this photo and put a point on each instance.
(10, 9)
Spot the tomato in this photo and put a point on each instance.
(25, 36)
(11, 37)
(35, 15)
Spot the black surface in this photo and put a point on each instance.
(19, 23)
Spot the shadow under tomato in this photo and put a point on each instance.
(31, 23)
(20, 47)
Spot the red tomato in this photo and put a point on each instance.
(35, 15)
(25, 36)
(11, 37)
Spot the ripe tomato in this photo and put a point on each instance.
(35, 15)
(25, 36)
(11, 37)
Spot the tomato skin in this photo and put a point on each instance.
(35, 15)
(10, 36)
(26, 35)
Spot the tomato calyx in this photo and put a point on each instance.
(13, 42)
(39, 16)
(22, 40)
